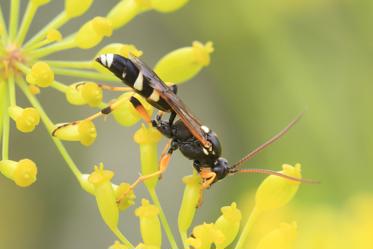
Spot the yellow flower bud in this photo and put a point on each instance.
(125, 11)
(74, 8)
(126, 201)
(184, 63)
(86, 184)
(190, 201)
(84, 132)
(74, 96)
(54, 35)
(282, 238)
(39, 3)
(26, 118)
(92, 32)
(125, 114)
(91, 93)
(204, 235)
(105, 196)
(168, 5)
(228, 224)
(143, 246)
(148, 139)
(41, 75)
(118, 245)
(34, 89)
(150, 226)
(23, 172)
(275, 192)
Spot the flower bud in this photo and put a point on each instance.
(91, 93)
(125, 114)
(118, 245)
(105, 196)
(283, 237)
(23, 172)
(41, 75)
(228, 224)
(275, 192)
(74, 8)
(34, 89)
(125, 11)
(150, 226)
(190, 201)
(84, 132)
(74, 96)
(126, 200)
(184, 63)
(26, 118)
(92, 32)
(39, 3)
(204, 235)
(148, 139)
(54, 35)
(168, 5)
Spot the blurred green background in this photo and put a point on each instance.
(272, 60)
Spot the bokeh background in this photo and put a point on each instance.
(272, 60)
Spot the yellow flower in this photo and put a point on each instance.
(149, 223)
(41, 75)
(281, 238)
(118, 245)
(129, 197)
(75, 8)
(84, 132)
(168, 5)
(26, 118)
(54, 35)
(204, 235)
(23, 172)
(91, 93)
(92, 33)
(229, 224)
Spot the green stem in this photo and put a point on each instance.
(2, 104)
(26, 22)
(50, 126)
(184, 237)
(166, 227)
(57, 22)
(6, 130)
(84, 74)
(71, 64)
(59, 86)
(57, 47)
(12, 91)
(3, 26)
(122, 238)
(247, 229)
(13, 18)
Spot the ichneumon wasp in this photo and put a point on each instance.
(196, 141)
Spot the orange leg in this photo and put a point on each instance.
(208, 178)
(107, 87)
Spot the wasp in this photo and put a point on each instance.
(195, 140)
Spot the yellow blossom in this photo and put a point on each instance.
(73, 94)
(41, 75)
(184, 63)
(275, 191)
(204, 235)
(84, 132)
(105, 196)
(92, 32)
(91, 93)
(54, 35)
(126, 200)
(229, 224)
(150, 226)
(74, 8)
(124, 12)
(23, 172)
(26, 118)
(281, 238)
(167, 5)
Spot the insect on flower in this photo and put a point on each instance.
(196, 141)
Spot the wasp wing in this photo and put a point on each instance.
(190, 121)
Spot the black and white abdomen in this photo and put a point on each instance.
(126, 70)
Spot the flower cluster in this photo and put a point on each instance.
(23, 66)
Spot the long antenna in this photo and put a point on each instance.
(235, 167)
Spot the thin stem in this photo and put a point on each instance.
(50, 126)
(26, 22)
(57, 22)
(6, 130)
(37, 45)
(3, 26)
(166, 227)
(184, 237)
(59, 86)
(122, 238)
(13, 18)
(71, 64)
(57, 47)
(12, 91)
(2, 104)
(247, 229)
(84, 74)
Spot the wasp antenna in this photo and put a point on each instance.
(276, 137)
(275, 173)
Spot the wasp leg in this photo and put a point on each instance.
(208, 178)
(107, 87)
(164, 162)
(110, 108)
